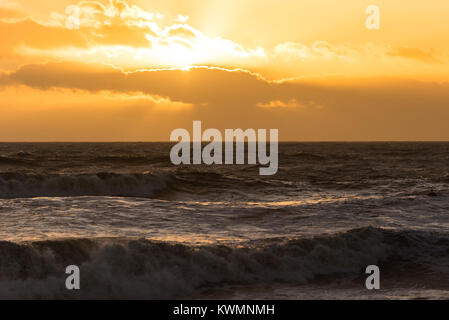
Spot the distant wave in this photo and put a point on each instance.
(20, 185)
(13, 161)
(121, 159)
(182, 180)
(187, 181)
(304, 156)
(120, 268)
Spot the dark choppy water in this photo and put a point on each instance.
(140, 227)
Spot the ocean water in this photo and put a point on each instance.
(139, 227)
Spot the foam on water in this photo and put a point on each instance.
(120, 268)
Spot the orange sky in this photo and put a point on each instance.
(136, 70)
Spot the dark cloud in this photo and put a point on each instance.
(223, 87)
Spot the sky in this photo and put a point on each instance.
(136, 70)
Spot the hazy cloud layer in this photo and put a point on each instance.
(415, 54)
(361, 109)
(126, 35)
(218, 86)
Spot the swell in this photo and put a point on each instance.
(178, 183)
(14, 161)
(144, 269)
(159, 183)
(22, 185)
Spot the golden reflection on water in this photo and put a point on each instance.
(287, 203)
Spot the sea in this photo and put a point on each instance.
(139, 227)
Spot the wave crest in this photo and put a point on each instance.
(22, 185)
(114, 268)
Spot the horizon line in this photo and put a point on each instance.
(283, 141)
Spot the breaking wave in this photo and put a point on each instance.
(144, 269)
(22, 185)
